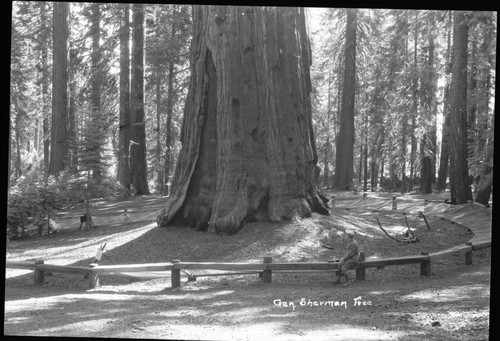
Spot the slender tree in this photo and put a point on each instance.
(428, 116)
(459, 177)
(44, 42)
(125, 119)
(96, 76)
(345, 141)
(248, 147)
(444, 159)
(415, 100)
(170, 107)
(60, 105)
(138, 164)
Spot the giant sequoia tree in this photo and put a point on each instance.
(248, 150)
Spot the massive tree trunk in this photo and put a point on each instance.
(459, 182)
(124, 128)
(248, 150)
(138, 153)
(345, 142)
(59, 140)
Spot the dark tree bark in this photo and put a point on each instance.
(345, 141)
(459, 182)
(124, 127)
(373, 175)
(248, 150)
(59, 140)
(486, 176)
(426, 175)
(138, 163)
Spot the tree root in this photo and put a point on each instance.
(410, 238)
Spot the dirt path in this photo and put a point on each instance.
(453, 304)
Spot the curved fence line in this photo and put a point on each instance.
(473, 216)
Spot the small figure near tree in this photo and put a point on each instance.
(348, 261)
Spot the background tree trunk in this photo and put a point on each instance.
(96, 84)
(459, 182)
(444, 158)
(73, 143)
(486, 177)
(138, 155)
(59, 140)
(124, 128)
(426, 175)
(45, 87)
(345, 142)
(170, 112)
(248, 150)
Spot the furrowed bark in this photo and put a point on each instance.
(248, 147)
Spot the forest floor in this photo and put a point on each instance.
(397, 303)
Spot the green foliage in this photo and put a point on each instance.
(30, 202)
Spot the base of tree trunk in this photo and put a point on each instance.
(248, 149)
(484, 189)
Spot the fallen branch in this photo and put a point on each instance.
(420, 213)
(408, 239)
(379, 225)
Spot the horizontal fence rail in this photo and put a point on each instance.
(458, 214)
(264, 269)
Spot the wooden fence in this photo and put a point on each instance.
(266, 268)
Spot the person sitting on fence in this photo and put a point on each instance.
(349, 259)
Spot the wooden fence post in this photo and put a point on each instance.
(175, 275)
(394, 203)
(425, 267)
(38, 275)
(360, 271)
(468, 255)
(267, 274)
(93, 277)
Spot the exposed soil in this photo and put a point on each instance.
(452, 304)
